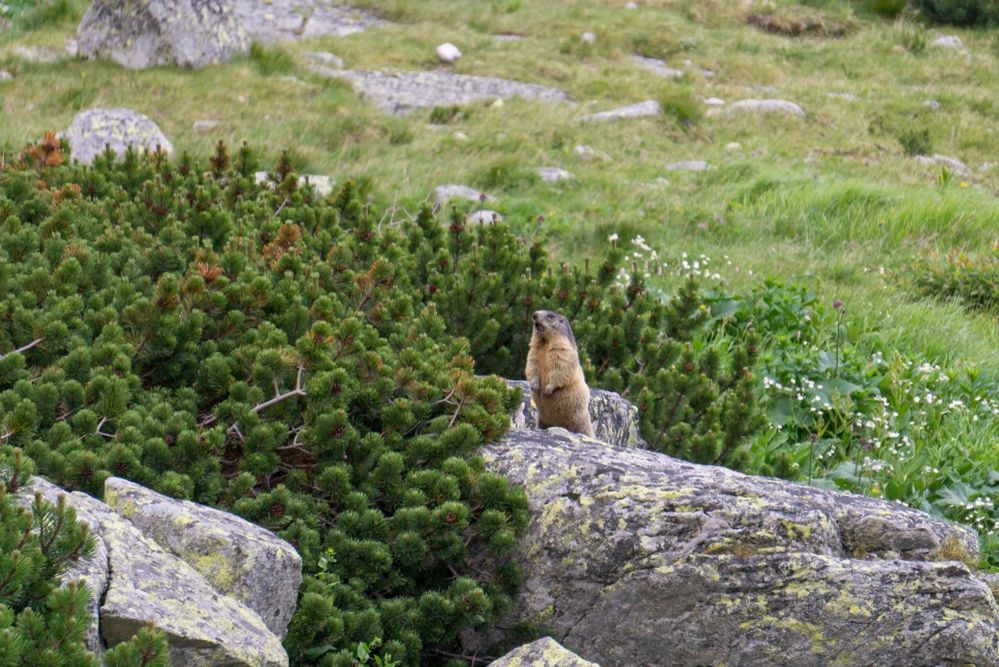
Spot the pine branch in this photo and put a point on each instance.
(25, 348)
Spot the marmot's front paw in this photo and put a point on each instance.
(550, 389)
(535, 385)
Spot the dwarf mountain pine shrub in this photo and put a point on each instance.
(288, 357)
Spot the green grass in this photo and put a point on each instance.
(836, 200)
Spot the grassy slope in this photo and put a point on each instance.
(843, 220)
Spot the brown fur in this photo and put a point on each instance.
(556, 378)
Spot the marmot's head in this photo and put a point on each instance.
(549, 324)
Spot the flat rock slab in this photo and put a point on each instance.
(445, 193)
(544, 652)
(765, 107)
(271, 21)
(631, 556)
(146, 33)
(238, 558)
(403, 92)
(948, 42)
(951, 163)
(640, 110)
(688, 165)
(657, 67)
(91, 131)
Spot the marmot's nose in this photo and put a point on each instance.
(537, 315)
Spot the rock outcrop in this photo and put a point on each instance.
(93, 130)
(544, 652)
(134, 581)
(615, 420)
(632, 556)
(239, 559)
(146, 33)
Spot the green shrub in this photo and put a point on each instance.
(680, 108)
(973, 279)
(961, 12)
(886, 8)
(915, 141)
(911, 37)
(42, 624)
(259, 348)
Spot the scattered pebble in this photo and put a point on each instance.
(844, 96)
(631, 5)
(951, 163)
(733, 147)
(589, 38)
(932, 105)
(766, 107)
(657, 66)
(5, 75)
(714, 102)
(460, 136)
(448, 52)
(590, 153)
(449, 191)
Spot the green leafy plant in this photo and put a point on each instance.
(972, 278)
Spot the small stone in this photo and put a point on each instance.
(631, 5)
(932, 105)
(460, 136)
(640, 110)
(844, 96)
(326, 58)
(589, 38)
(36, 54)
(497, 103)
(484, 217)
(762, 88)
(688, 165)
(554, 174)
(445, 193)
(72, 48)
(5, 75)
(323, 185)
(662, 181)
(948, 42)
(448, 52)
(508, 37)
(590, 153)
(733, 147)
(201, 126)
(544, 652)
(987, 166)
(714, 102)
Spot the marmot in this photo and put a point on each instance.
(556, 378)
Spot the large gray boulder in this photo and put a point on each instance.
(545, 652)
(146, 33)
(615, 420)
(93, 130)
(633, 558)
(140, 584)
(238, 558)
(270, 21)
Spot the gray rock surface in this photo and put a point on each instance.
(239, 559)
(146, 33)
(778, 107)
(640, 110)
(445, 193)
(448, 52)
(948, 42)
(203, 126)
(942, 160)
(554, 174)
(403, 92)
(5, 75)
(688, 165)
(94, 129)
(632, 557)
(544, 652)
(145, 584)
(658, 67)
(932, 105)
(271, 21)
(615, 420)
